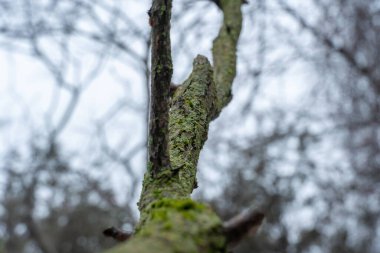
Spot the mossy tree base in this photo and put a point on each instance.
(177, 226)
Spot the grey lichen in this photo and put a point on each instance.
(224, 51)
(190, 114)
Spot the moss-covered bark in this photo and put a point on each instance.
(191, 110)
(170, 221)
(173, 226)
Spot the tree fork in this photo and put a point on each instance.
(170, 221)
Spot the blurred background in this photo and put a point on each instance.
(301, 135)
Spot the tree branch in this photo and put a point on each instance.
(117, 234)
(348, 56)
(191, 111)
(224, 51)
(170, 221)
(241, 225)
(162, 70)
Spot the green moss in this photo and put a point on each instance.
(170, 222)
(184, 223)
(163, 9)
(149, 166)
(192, 109)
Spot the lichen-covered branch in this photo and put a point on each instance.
(195, 104)
(224, 51)
(191, 111)
(170, 221)
(162, 70)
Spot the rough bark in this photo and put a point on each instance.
(224, 51)
(162, 70)
(170, 221)
(191, 111)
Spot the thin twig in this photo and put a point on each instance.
(117, 234)
(241, 225)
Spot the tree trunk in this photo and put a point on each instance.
(170, 220)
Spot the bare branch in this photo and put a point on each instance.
(238, 227)
(341, 50)
(117, 234)
(162, 70)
